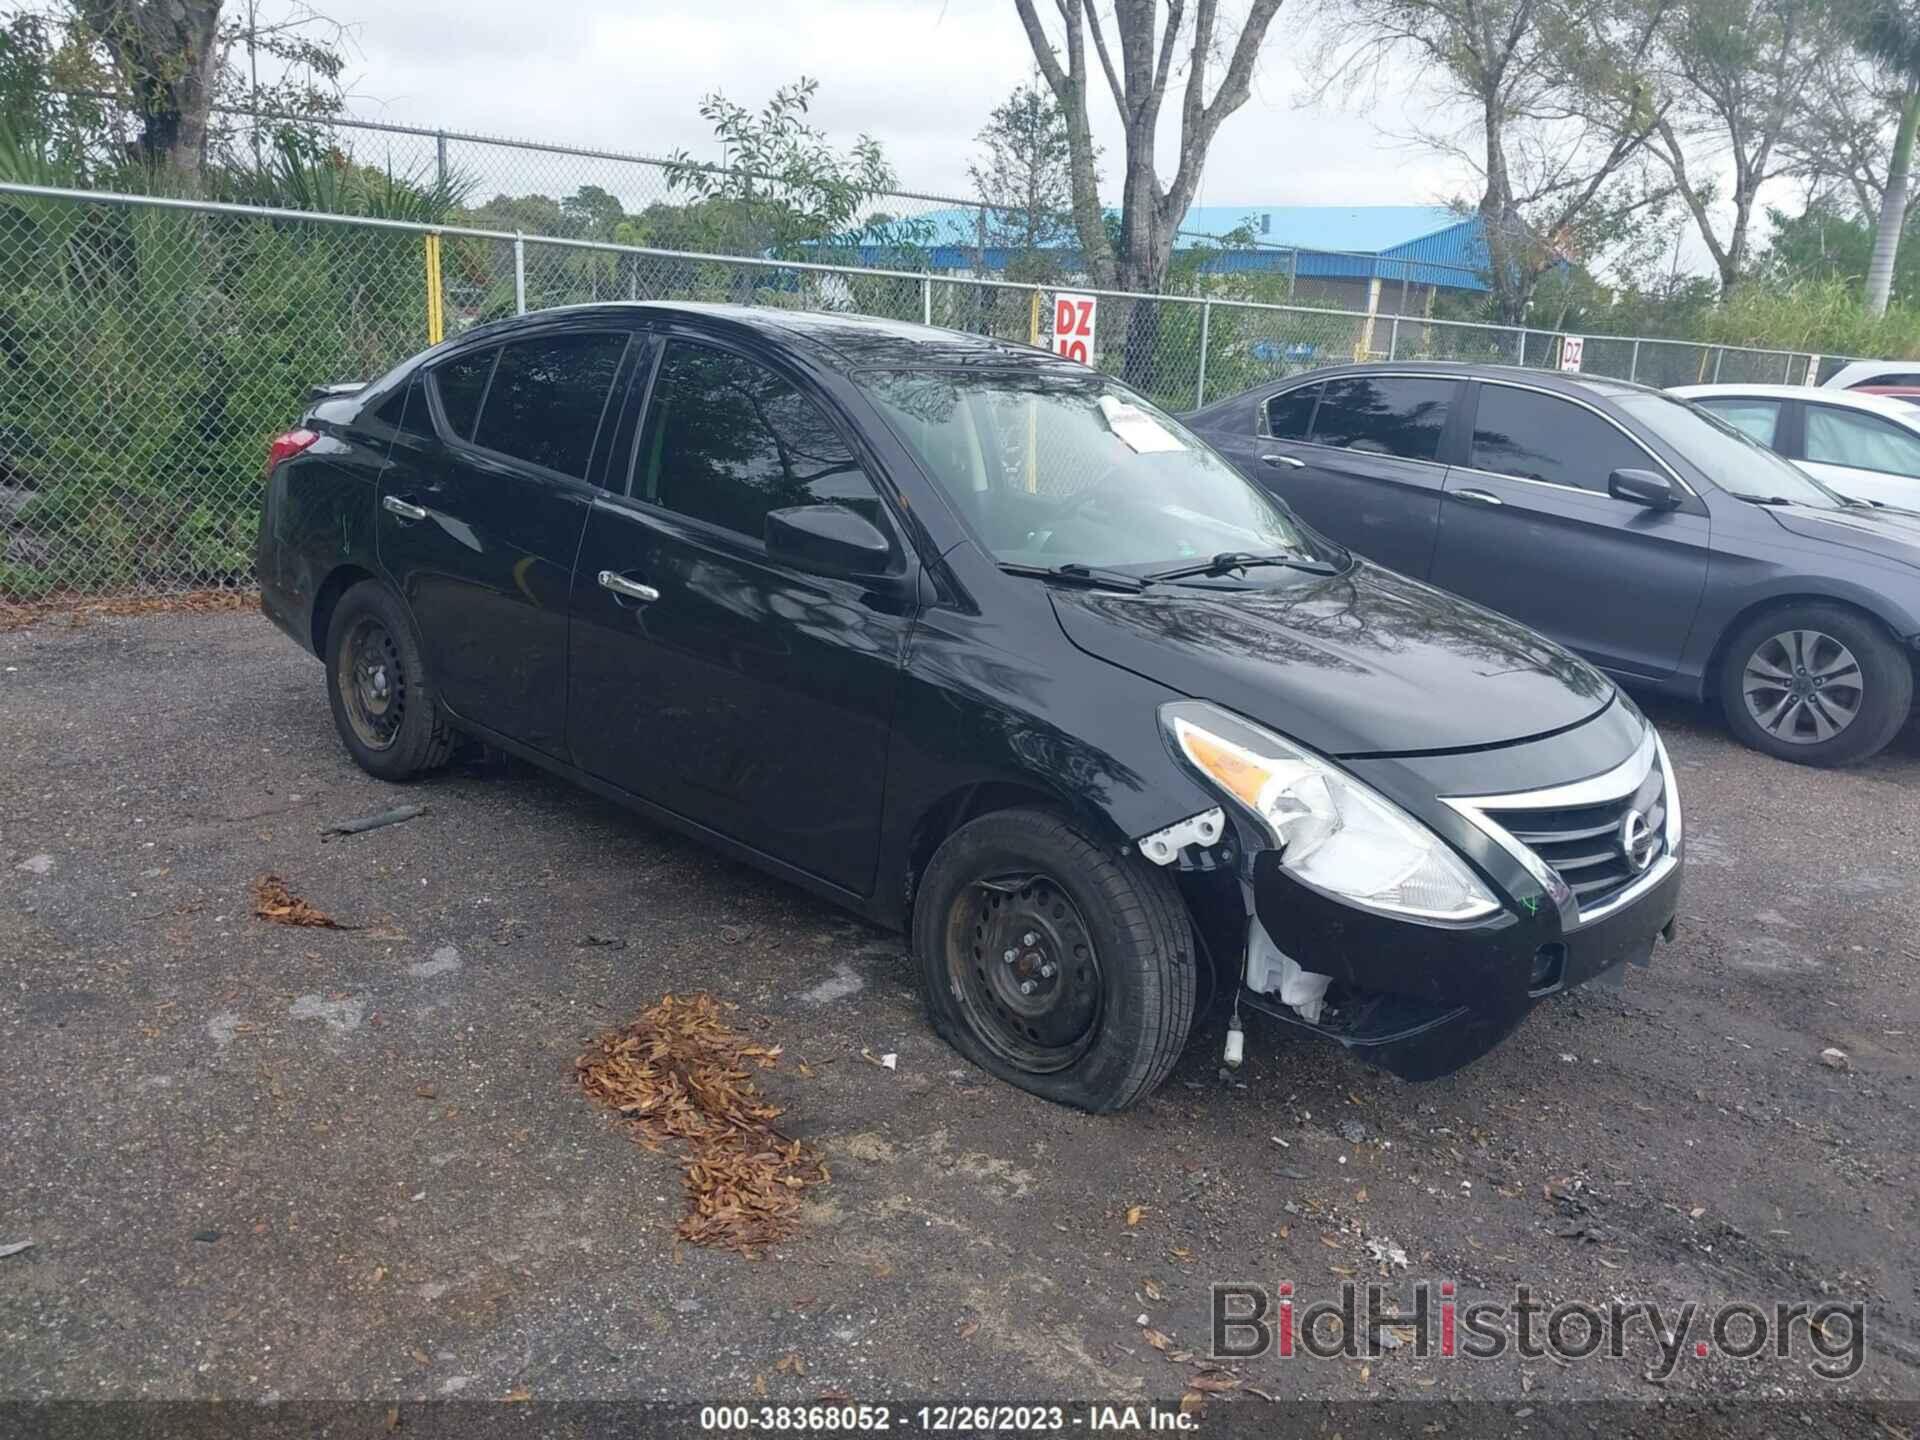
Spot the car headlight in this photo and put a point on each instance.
(1334, 833)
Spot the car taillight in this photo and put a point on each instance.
(287, 444)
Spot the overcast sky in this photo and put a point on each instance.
(919, 75)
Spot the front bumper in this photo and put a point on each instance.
(1459, 990)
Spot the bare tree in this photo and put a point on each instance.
(1544, 99)
(1138, 63)
(1732, 74)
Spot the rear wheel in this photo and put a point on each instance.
(383, 701)
(1814, 683)
(1052, 963)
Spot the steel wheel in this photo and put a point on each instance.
(372, 683)
(1025, 972)
(1803, 687)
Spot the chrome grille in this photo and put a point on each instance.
(1585, 845)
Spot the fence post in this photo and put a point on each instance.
(1633, 365)
(1787, 377)
(1033, 318)
(1206, 316)
(1718, 356)
(926, 301)
(1393, 340)
(1524, 332)
(1293, 271)
(519, 274)
(436, 305)
(440, 158)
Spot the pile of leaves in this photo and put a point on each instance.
(273, 902)
(81, 612)
(680, 1072)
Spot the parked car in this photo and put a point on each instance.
(1874, 372)
(980, 645)
(1664, 546)
(1906, 394)
(1866, 447)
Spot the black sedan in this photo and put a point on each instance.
(980, 645)
(1636, 529)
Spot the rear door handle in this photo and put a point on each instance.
(1479, 497)
(632, 589)
(395, 505)
(1289, 461)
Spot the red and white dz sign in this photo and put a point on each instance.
(1572, 350)
(1073, 327)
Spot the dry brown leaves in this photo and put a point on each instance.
(78, 611)
(679, 1072)
(273, 902)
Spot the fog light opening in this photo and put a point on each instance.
(1549, 966)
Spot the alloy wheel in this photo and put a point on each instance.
(1803, 686)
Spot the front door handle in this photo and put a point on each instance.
(396, 506)
(1479, 497)
(632, 589)
(1289, 461)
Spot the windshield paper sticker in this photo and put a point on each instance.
(1146, 435)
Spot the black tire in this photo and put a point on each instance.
(1830, 664)
(1136, 970)
(384, 704)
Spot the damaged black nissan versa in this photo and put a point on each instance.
(979, 644)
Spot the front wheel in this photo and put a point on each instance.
(1053, 963)
(1814, 683)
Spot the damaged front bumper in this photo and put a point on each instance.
(1587, 873)
(1451, 992)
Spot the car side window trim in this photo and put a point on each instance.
(1265, 432)
(437, 407)
(1632, 439)
(753, 546)
(533, 468)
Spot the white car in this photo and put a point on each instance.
(1874, 372)
(1866, 447)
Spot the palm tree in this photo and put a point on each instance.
(1891, 33)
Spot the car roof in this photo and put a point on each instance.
(841, 341)
(1564, 381)
(1846, 399)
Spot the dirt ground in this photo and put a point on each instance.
(260, 1162)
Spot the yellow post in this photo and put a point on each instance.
(436, 293)
(1033, 320)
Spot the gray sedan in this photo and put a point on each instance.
(1660, 543)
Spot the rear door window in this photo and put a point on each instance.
(462, 383)
(1290, 413)
(1532, 436)
(1401, 416)
(1756, 419)
(548, 397)
(1865, 442)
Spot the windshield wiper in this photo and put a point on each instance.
(1764, 499)
(1080, 574)
(1230, 560)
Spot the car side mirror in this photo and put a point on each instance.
(829, 538)
(1643, 487)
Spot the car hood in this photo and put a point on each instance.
(1889, 533)
(1365, 663)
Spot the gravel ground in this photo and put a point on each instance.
(264, 1162)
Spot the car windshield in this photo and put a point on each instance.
(1053, 469)
(1737, 463)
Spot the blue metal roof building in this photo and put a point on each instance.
(1342, 247)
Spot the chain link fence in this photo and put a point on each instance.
(149, 348)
